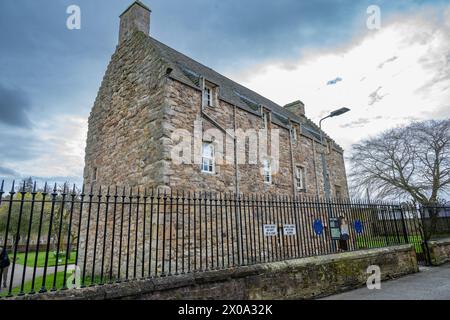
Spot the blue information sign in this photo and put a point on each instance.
(318, 227)
(358, 226)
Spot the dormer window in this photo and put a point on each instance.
(265, 118)
(294, 133)
(209, 95)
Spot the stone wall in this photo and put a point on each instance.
(125, 135)
(295, 279)
(439, 251)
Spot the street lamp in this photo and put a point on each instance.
(326, 181)
(334, 113)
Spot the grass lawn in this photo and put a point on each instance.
(376, 242)
(49, 283)
(41, 259)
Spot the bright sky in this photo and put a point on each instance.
(320, 52)
(387, 77)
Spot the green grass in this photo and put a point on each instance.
(48, 283)
(380, 241)
(20, 259)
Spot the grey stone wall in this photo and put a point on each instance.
(295, 279)
(439, 251)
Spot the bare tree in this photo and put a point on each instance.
(407, 162)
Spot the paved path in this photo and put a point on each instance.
(431, 283)
(18, 273)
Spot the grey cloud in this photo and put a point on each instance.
(14, 106)
(359, 122)
(381, 65)
(20, 144)
(376, 97)
(7, 172)
(355, 124)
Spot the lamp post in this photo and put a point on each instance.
(326, 180)
(334, 113)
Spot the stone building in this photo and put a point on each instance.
(163, 121)
(155, 102)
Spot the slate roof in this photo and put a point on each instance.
(189, 71)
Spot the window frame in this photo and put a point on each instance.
(211, 165)
(267, 171)
(301, 178)
(294, 133)
(208, 96)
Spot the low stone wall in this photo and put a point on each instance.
(294, 279)
(439, 251)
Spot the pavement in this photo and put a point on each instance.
(431, 283)
(18, 273)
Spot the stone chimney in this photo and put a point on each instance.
(296, 107)
(135, 18)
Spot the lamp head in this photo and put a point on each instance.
(338, 112)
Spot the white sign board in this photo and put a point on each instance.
(270, 230)
(289, 230)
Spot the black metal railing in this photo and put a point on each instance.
(59, 238)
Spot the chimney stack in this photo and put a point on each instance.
(296, 107)
(135, 18)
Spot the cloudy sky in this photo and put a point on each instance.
(320, 52)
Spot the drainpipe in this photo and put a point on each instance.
(292, 163)
(236, 169)
(315, 168)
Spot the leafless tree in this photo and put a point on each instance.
(407, 162)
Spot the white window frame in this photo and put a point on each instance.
(208, 159)
(267, 171)
(208, 96)
(300, 178)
